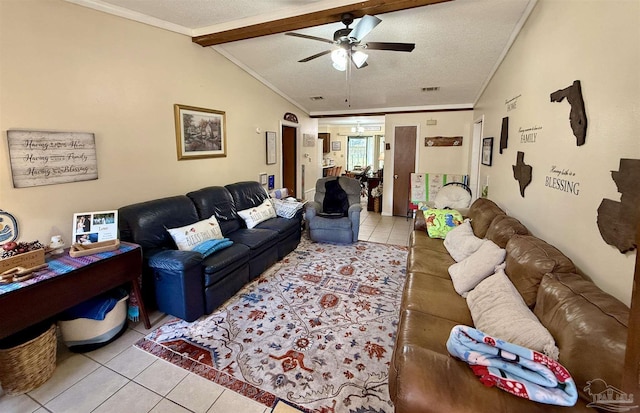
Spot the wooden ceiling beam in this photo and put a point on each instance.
(371, 7)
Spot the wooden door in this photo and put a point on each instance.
(289, 164)
(404, 163)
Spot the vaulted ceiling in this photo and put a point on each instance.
(458, 46)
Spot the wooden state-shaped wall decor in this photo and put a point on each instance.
(504, 133)
(522, 172)
(577, 116)
(617, 221)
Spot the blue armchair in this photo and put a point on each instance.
(334, 216)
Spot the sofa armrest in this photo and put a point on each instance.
(419, 223)
(354, 209)
(175, 260)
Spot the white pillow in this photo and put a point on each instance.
(467, 273)
(452, 196)
(254, 216)
(461, 242)
(189, 236)
(498, 309)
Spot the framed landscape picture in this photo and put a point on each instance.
(487, 151)
(200, 133)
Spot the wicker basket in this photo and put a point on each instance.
(28, 365)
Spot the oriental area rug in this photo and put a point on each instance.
(316, 331)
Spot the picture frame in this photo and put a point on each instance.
(336, 146)
(271, 148)
(200, 133)
(92, 227)
(487, 151)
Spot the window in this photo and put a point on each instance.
(364, 151)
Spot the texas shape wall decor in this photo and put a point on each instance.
(522, 172)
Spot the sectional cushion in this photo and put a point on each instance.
(528, 259)
(503, 227)
(482, 212)
(590, 327)
(498, 310)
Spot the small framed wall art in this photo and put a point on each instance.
(487, 151)
(200, 133)
(271, 148)
(336, 146)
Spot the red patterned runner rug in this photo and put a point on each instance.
(316, 330)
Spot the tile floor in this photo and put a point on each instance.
(121, 378)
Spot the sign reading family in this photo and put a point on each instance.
(562, 179)
(529, 135)
(47, 158)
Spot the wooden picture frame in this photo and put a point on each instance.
(271, 148)
(487, 151)
(200, 133)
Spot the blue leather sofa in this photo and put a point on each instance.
(182, 283)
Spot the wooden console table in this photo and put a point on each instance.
(67, 282)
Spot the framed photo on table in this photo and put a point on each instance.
(487, 151)
(200, 133)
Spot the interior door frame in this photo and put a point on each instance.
(389, 168)
(299, 184)
(477, 132)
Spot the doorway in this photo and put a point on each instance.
(476, 153)
(289, 162)
(404, 163)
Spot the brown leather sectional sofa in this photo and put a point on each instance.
(588, 325)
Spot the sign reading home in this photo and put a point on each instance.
(47, 158)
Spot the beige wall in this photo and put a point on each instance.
(70, 68)
(596, 42)
(454, 160)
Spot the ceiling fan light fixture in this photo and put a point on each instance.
(339, 59)
(359, 58)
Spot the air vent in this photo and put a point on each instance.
(316, 98)
(431, 89)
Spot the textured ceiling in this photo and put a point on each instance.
(458, 46)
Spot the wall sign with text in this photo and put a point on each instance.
(47, 158)
(562, 179)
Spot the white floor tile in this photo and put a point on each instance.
(19, 403)
(131, 362)
(167, 406)
(67, 373)
(132, 398)
(231, 401)
(88, 393)
(196, 393)
(106, 353)
(161, 377)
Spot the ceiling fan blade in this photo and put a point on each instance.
(314, 56)
(398, 47)
(364, 27)
(306, 36)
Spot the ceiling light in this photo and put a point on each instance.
(339, 59)
(359, 58)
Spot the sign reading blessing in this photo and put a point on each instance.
(47, 158)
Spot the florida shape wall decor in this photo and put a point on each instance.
(617, 221)
(577, 116)
(522, 172)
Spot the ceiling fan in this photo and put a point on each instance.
(349, 42)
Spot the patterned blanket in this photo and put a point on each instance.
(518, 370)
